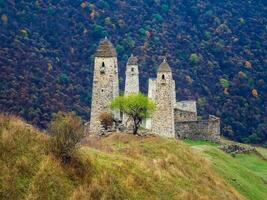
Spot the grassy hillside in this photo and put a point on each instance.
(119, 167)
(247, 173)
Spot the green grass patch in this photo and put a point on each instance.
(200, 142)
(245, 172)
(253, 163)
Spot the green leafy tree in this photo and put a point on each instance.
(194, 58)
(67, 131)
(136, 106)
(224, 83)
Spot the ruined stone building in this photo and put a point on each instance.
(172, 118)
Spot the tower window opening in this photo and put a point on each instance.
(163, 77)
(132, 69)
(102, 68)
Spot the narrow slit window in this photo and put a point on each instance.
(132, 69)
(102, 68)
(163, 77)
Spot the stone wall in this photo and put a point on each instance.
(199, 130)
(180, 115)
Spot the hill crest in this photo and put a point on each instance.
(123, 166)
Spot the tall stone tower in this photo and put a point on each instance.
(132, 76)
(105, 82)
(163, 118)
(152, 87)
(131, 83)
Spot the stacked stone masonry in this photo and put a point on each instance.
(183, 116)
(163, 118)
(199, 130)
(105, 83)
(131, 76)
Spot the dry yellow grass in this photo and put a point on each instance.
(120, 166)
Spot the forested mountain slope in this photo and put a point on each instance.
(217, 50)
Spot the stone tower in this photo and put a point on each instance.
(163, 118)
(105, 82)
(132, 76)
(151, 94)
(131, 82)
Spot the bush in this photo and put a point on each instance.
(106, 120)
(67, 131)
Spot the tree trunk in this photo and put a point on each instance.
(135, 130)
(136, 125)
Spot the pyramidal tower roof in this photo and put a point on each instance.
(164, 67)
(105, 49)
(132, 60)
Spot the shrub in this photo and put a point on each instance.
(106, 120)
(67, 131)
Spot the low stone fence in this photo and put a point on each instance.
(235, 148)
